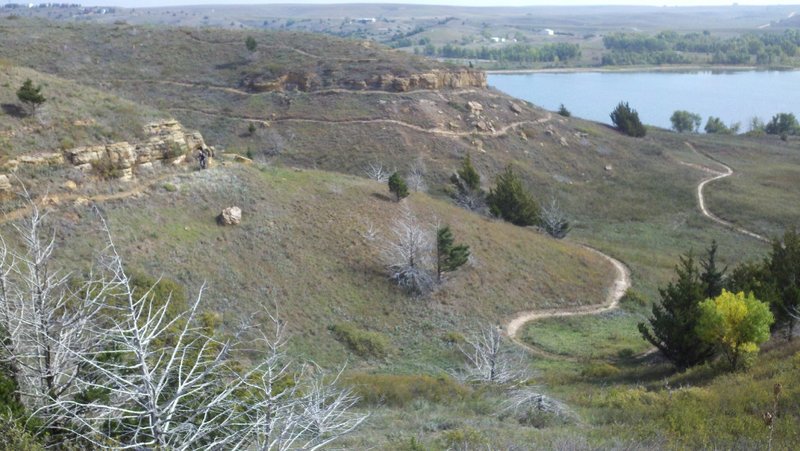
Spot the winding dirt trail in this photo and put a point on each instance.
(435, 131)
(701, 200)
(19, 213)
(615, 292)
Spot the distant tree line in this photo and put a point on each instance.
(518, 53)
(669, 47)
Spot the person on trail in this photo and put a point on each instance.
(202, 157)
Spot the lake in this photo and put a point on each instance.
(734, 96)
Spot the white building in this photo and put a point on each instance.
(547, 32)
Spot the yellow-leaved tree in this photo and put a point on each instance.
(736, 324)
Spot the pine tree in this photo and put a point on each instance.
(30, 96)
(448, 257)
(784, 269)
(672, 328)
(711, 277)
(509, 200)
(469, 175)
(398, 186)
(250, 43)
(626, 119)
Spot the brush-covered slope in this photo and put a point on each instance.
(632, 197)
(305, 243)
(73, 115)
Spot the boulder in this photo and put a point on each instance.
(230, 216)
(475, 107)
(515, 108)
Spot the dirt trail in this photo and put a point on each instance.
(616, 291)
(60, 199)
(701, 200)
(436, 131)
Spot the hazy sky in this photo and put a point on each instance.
(145, 3)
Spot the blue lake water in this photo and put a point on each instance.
(734, 96)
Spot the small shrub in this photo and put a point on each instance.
(361, 342)
(170, 187)
(453, 338)
(399, 390)
(106, 169)
(463, 439)
(175, 150)
(563, 111)
(633, 298)
(600, 371)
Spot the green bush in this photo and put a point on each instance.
(464, 439)
(14, 438)
(106, 169)
(511, 201)
(626, 119)
(399, 390)
(361, 342)
(175, 150)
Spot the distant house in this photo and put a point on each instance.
(366, 20)
(497, 39)
(547, 32)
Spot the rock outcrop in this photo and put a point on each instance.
(168, 142)
(437, 79)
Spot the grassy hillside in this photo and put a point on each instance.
(302, 244)
(73, 115)
(96, 53)
(641, 209)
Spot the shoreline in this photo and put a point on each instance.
(624, 69)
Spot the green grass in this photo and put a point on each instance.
(609, 336)
(302, 244)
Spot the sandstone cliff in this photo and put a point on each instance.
(437, 79)
(167, 142)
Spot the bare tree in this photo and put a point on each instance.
(378, 172)
(489, 360)
(553, 219)
(416, 176)
(46, 318)
(466, 197)
(408, 254)
(529, 400)
(107, 366)
(307, 415)
(172, 385)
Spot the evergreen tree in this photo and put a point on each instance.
(468, 174)
(563, 111)
(672, 328)
(509, 200)
(712, 277)
(398, 186)
(250, 43)
(626, 119)
(784, 270)
(449, 257)
(31, 96)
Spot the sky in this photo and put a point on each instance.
(153, 3)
